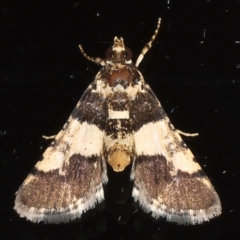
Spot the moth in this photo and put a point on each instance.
(118, 121)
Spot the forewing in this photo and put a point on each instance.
(68, 179)
(167, 180)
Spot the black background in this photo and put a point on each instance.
(193, 68)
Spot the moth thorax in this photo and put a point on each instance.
(119, 157)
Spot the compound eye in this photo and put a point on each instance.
(127, 53)
(109, 53)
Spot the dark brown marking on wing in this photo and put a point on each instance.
(118, 128)
(145, 109)
(118, 101)
(52, 190)
(92, 109)
(183, 191)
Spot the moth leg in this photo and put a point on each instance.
(49, 137)
(187, 134)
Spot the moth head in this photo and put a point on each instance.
(118, 52)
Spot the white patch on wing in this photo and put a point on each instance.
(183, 160)
(118, 114)
(29, 178)
(149, 139)
(100, 85)
(51, 160)
(106, 90)
(87, 140)
(78, 138)
(155, 138)
(132, 91)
